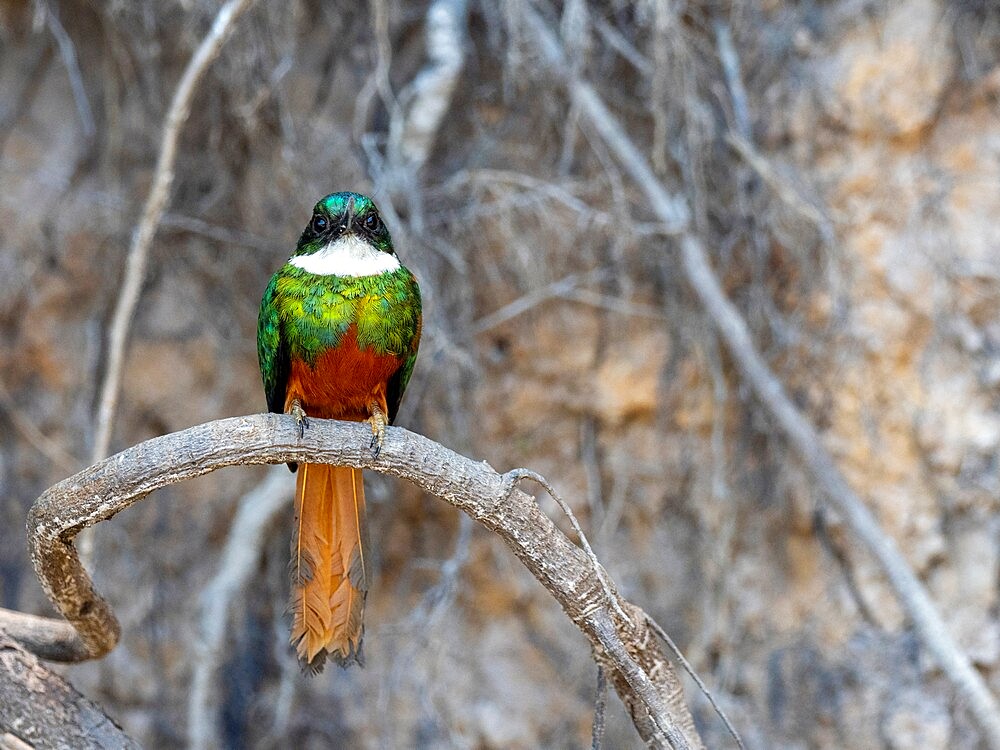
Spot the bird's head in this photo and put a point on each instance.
(345, 237)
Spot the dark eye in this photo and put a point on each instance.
(372, 222)
(319, 223)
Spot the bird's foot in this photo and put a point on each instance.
(378, 421)
(300, 417)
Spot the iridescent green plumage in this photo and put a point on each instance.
(304, 314)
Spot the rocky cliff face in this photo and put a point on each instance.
(856, 230)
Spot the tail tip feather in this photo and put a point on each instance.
(343, 656)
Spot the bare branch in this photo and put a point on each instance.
(658, 629)
(39, 709)
(734, 79)
(637, 666)
(516, 475)
(424, 103)
(156, 201)
(801, 435)
(45, 445)
(420, 109)
(600, 704)
(47, 638)
(67, 51)
(534, 298)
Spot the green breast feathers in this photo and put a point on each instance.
(311, 312)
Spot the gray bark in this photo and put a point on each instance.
(39, 709)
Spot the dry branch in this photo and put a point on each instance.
(625, 647)
(39, 709)
(67, 51)
(424, 102)
(798, 431)
(44, 637)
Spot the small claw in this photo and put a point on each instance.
(300, 417)
(378, 423)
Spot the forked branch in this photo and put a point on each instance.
(624, 646)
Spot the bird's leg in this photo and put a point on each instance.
(300, 416)
(378, 421)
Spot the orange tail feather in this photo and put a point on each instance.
(329, 580)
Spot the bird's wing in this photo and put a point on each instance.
(272, 353)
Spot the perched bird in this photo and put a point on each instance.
(337, 338)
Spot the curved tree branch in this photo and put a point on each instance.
(625, 647)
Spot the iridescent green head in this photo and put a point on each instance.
(339, 214)
(345, 237)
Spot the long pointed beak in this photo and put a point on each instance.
(349, 215)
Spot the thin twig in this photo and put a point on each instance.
(156, 201)
(600, 704)
(801, 435)
(419, 629)
(741, 137)
(624, 47)
(780, 186)
(45, 445)
(67, 51)
(615, 304)
(460, 181)
(222, 234)
(515, 475)
(695, 676)
(534, 298)
(439, 596)
(734, 78)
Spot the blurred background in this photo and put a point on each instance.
(842, 163)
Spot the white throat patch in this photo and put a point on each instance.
(347, 256)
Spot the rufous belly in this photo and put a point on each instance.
(343, 382)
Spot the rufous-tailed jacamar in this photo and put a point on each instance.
(337, 338)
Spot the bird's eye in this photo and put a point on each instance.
(319, 223)
(372, 222)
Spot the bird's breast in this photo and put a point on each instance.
(342, 380)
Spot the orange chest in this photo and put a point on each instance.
(343, 381)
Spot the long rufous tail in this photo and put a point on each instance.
(329, 579)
